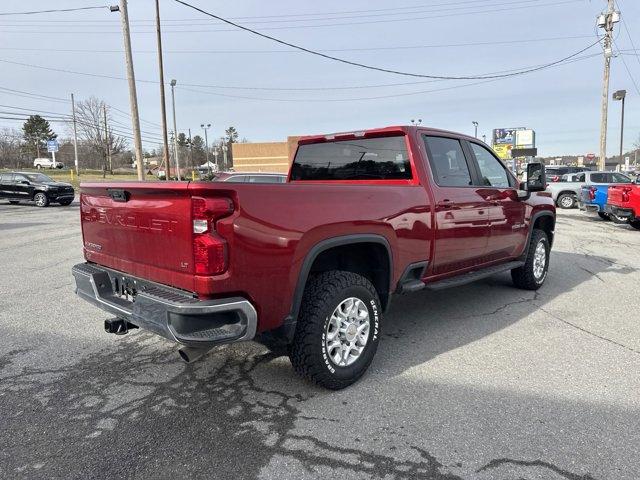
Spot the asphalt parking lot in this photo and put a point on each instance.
(479, 382)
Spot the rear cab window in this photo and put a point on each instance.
(369, 159)
(448, 162)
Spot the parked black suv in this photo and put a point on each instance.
(34, 187)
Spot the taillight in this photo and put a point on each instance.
(625, 193)
(592, 193)
(210, 255)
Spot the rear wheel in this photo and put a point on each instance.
(635, 224)
(337, 332)
(618, 219)
(604, 216)
(39, 167)
(566, 200)
(533, 273)
(41, 199)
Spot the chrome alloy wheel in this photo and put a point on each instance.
(347, 332)
(41, 199)
(566, 201)
(539, 261)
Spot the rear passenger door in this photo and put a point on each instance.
(461, 226)
(498, 188)
(6, 185)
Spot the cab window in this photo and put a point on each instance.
(448, 162)
(492, 172)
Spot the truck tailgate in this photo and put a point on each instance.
(143, 229)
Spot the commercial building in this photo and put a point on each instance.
(271, 157)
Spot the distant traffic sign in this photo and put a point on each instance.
(52, 146)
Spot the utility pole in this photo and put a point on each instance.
(163, 109)
(133, 96)
(190, 150)
(175, 128)
(75, 134)
(606, 21)
(106, 142)
(475, 126)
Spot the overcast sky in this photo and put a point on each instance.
(236, 69)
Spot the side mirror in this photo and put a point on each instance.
(536, 178)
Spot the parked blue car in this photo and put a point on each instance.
(593, 197)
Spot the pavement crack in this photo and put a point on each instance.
(499, 462)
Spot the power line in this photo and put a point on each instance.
(624, 23)
(379, 69)
(379, 97)
(431, 77)
(387, 20)
(624, 62)
(388, 9)
(34, 12)
(355, 49)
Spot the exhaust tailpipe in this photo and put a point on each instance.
(191, 354)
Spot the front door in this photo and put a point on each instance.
(461, 217)
(507, 231)
(22, 187)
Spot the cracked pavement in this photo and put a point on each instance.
(479, 382)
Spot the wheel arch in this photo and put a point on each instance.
(544, 220)
(328, 254)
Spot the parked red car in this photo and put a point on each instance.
(624, 202)
(312, 263)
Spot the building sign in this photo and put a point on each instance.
(52, 146)
(503, 150)
(504, 140)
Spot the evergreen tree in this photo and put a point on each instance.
(36, 131)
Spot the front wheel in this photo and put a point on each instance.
(566, 200)
(338, 329)
(635, 224)
(41, 199)
(39, 167)
(604, 216)
(533, 273)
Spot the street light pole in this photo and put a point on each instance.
(206, 144)
(175, 128)
(620, 95)
(163, 109)
(475, 127)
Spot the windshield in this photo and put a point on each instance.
(38, 177)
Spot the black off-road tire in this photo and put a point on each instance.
(618, 220)
(604, 216)
(635, 224)
(566, 201)
(523, 277)
(308, 353)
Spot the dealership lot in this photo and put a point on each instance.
(480, 382)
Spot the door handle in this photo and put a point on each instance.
(446, 203)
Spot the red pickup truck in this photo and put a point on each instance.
(312, 264)
(624, 201)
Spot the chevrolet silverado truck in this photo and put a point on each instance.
(311, 265)
(567, 194)
(593, 197)
(624, 201)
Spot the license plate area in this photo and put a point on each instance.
(124, 288)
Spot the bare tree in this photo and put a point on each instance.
(11, 153)
(90, 115)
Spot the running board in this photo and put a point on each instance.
(472, 276)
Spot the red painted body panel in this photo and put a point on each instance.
(625, 196)
(274, 227)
